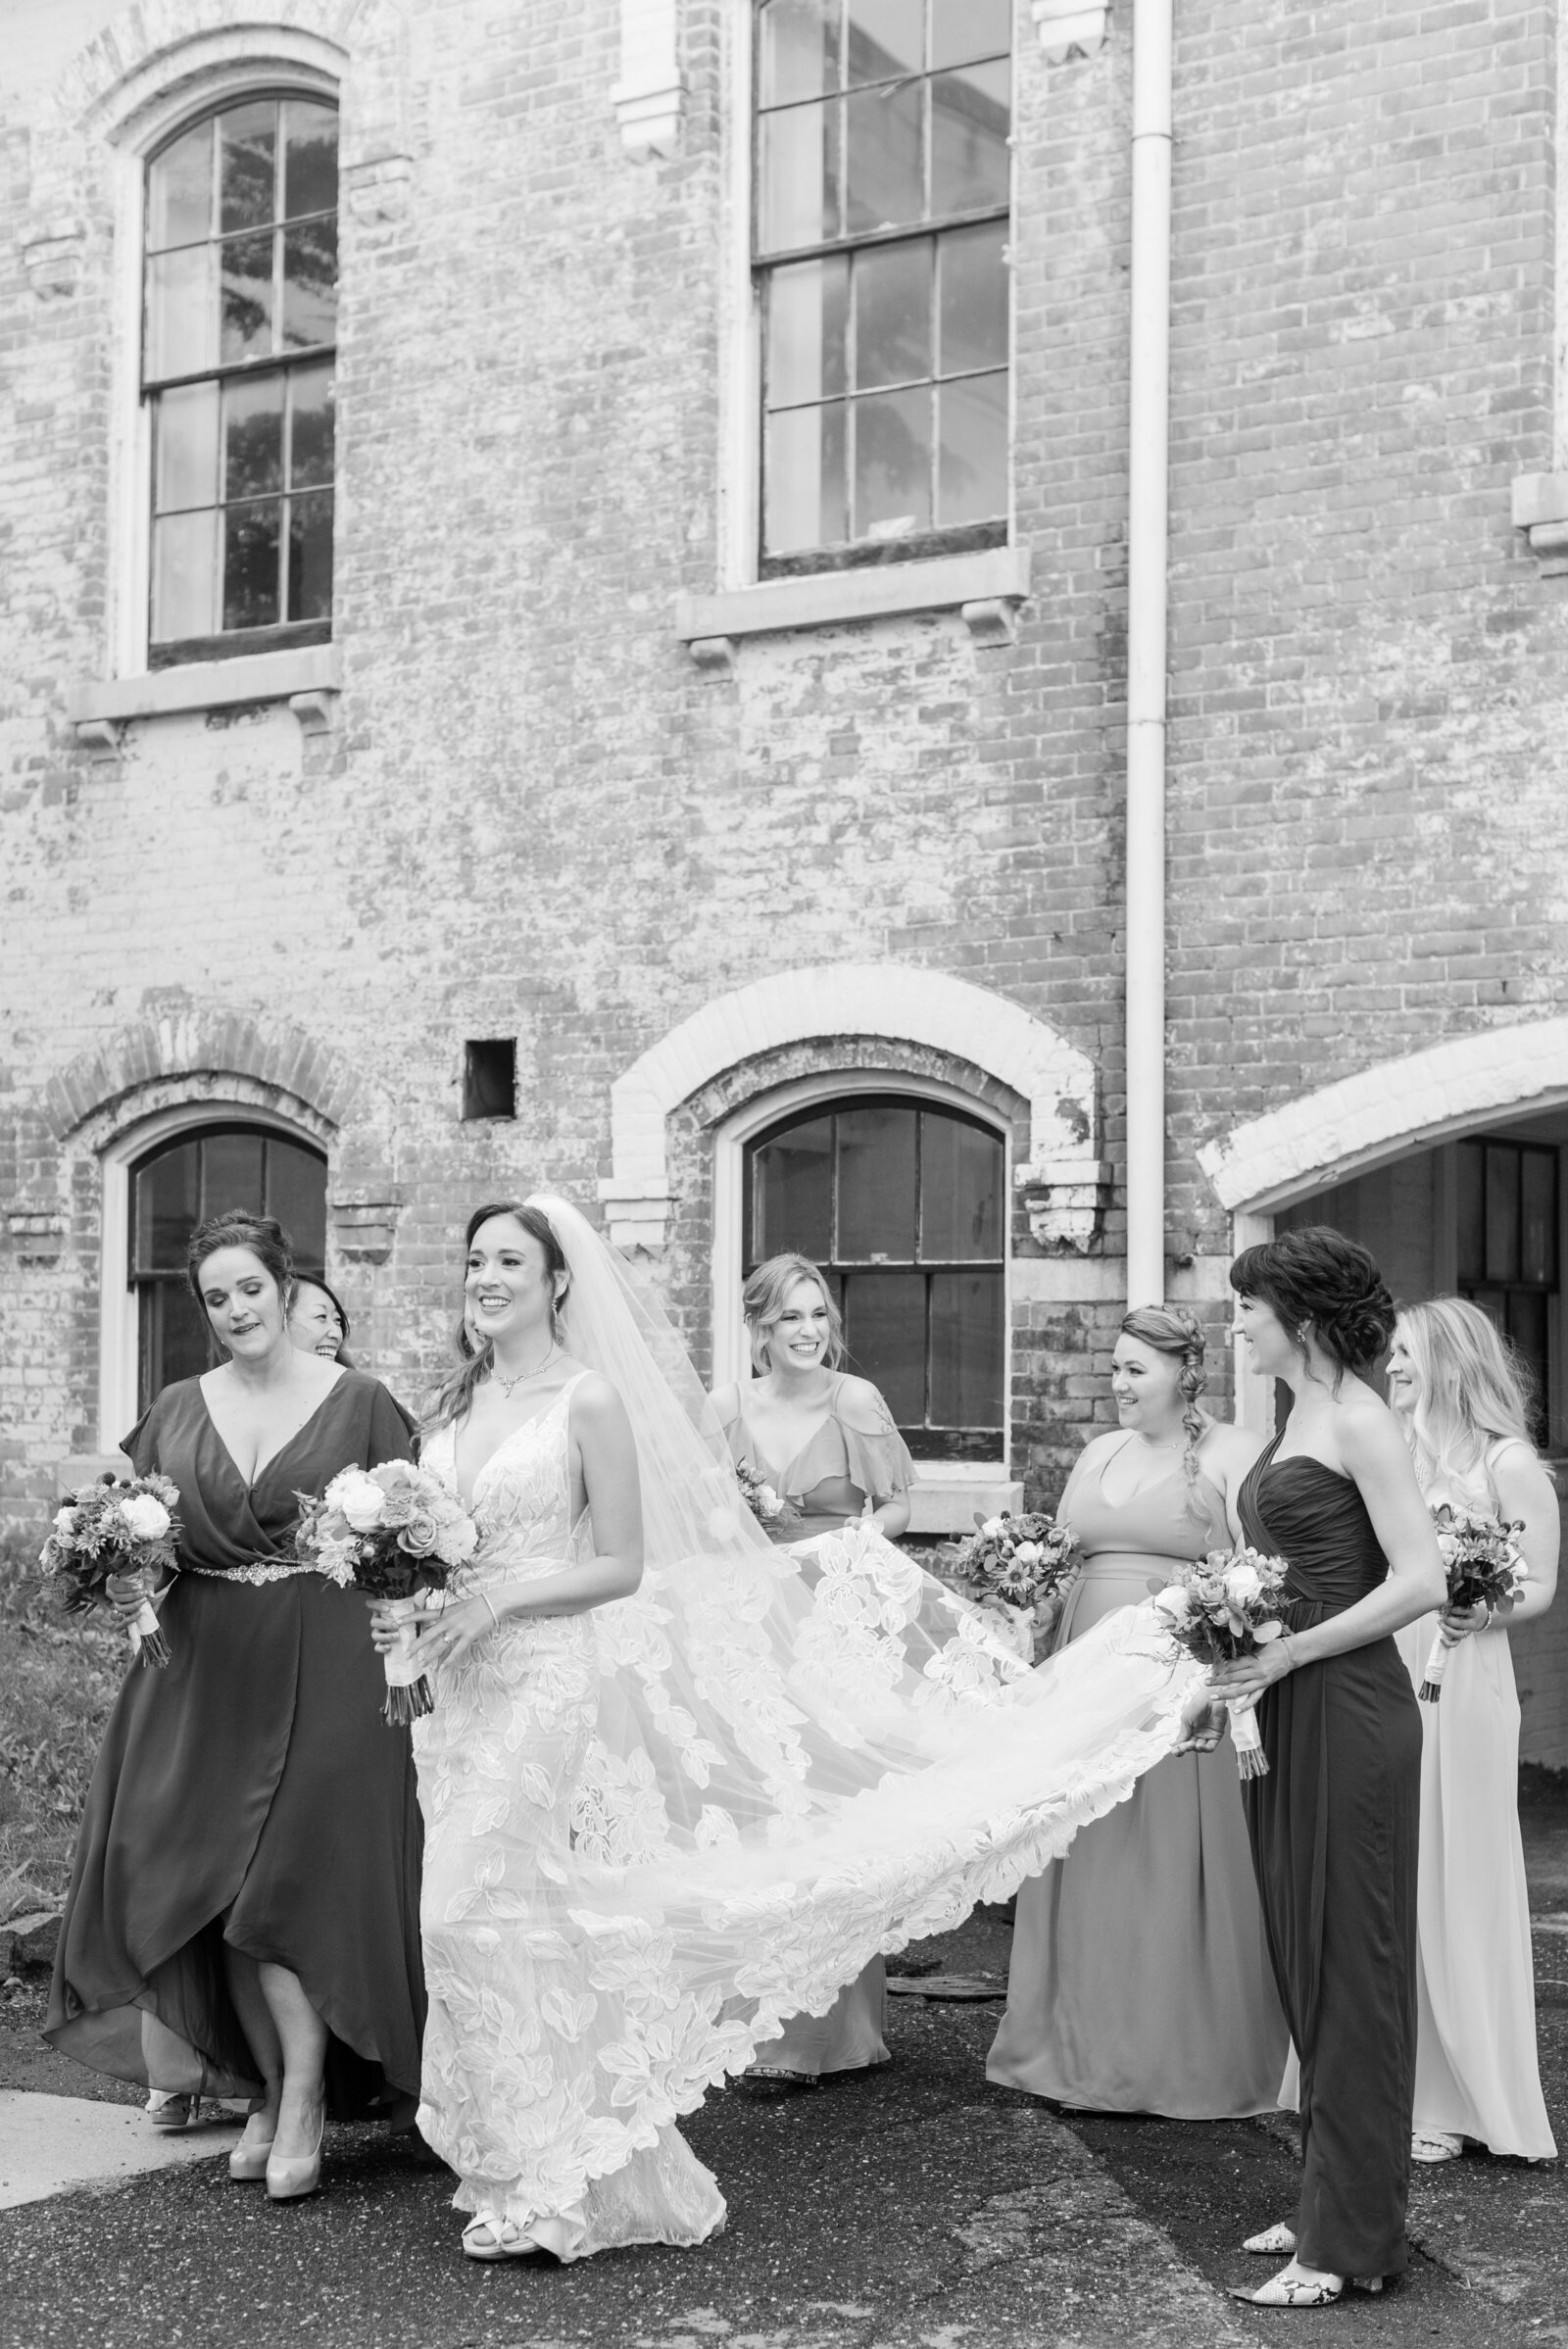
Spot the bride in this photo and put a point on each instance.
(672, 1793)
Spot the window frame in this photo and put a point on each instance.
(1476, 1290)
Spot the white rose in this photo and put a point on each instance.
(1242, 1584)
(1027, 1554)
(994, 1529)
(767, 1500)
(145, 1518)
(1171, 1602)
(455, 1544)
(65, 1521)
(361, 1501)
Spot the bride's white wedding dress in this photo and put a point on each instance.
(655, 1830)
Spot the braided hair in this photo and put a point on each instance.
(1178, 1335)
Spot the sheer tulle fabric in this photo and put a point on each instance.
(657, 1830)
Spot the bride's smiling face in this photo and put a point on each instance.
(507, 1286)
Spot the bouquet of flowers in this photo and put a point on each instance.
(1018, 1567)
(121, 1526)
(1222, 1607)
(390, 1532)
(1484, 1568)
(767, 1504)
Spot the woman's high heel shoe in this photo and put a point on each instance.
(291, 2175)
(247, 2164)
(1274, 2242)
(1286, 2290)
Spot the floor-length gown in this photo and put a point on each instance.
(249, 1794)
(1140, 1979)
(1476, 2069)
(1334, 1827)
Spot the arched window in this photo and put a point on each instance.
(900, 1202)
(177, 1185)
(240, 324)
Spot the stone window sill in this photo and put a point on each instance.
(308, 678)
(987, 587)
(946, 1495)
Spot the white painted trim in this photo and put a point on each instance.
(872, 590)
(1388, 1110)
(739, 315)
(1252, 1407)
(211, 684)
(118, 1334)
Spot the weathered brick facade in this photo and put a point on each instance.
(529, 812)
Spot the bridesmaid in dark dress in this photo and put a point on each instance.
(243, 1916)
(1334, 1824)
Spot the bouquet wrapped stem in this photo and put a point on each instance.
(1485, 1567)
(389, 1532)
(1219, 1608)
(114, 1538)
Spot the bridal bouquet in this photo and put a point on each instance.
(124, 1526)
(390, 1532)
(1484, 1568)
(1018, 1567)
(767, 1504)
(1222, 1607)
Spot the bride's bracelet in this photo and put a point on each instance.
(489, 1609)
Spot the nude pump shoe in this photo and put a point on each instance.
(290, 2177)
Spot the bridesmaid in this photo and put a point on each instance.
(1334, 1823)
(1456, 1391)
(1139, 1979)
(827, 1443)
(243, 1916)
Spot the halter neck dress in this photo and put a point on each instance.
(857, 1456)
(1140, 1979)
(1333, 1829)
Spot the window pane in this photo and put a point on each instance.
(185, 432)
(798, 196)
(961, 1191)
(309, 557)
(972, 472)
(253, 436)
(884, 1317)
(309, 284)
(805, 503)
(807, 316)
(1527, 1327)
(963, 28)
(793, 1193)
(250, 566)
(247, 297)
(966, 1349)
(247, 147)
(878, 1169)
(296, 1193)
(796, 49)
(185, 577)
(885, 37)
(892, 464)
(310, 159)
(166, 1209)
(173, 1337)
(1503, 1212)
(310, 411)
(884, 172)
(1538, 1174)
(182, 312)
(1471, 1211)
(893, 314)
(972, 273)
(970, 118)
(179, 191)
(232, 1173)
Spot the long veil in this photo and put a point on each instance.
(792, 1772)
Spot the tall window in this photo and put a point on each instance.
(1507, 1247)
(902, 1205)
(176, 1187)
(880, 245)
(237, 369)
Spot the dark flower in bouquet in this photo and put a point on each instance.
(1018, 1567)
(1222, 1607)
(121, 1529)
(1485, 1567)
(773, 1514)
(391, 1532)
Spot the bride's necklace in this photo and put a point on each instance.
(508, 1385)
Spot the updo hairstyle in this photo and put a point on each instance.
(1172, 1332)
(763, 1303)
(1317, 1277)
(456, 1392)
(236, 1227)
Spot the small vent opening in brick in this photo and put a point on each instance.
(490, 1077)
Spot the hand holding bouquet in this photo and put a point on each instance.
(122, 1530)
(390, 1532)
(1485, 1567)
(1222, 1607)
(1018, 1567)
(773, 1514)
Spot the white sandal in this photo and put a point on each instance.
(1435, 2145)
(498, 2238)
(1286, 2290)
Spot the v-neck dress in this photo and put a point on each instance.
(250, 1793)
(1139, 1979)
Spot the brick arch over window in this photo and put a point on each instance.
(841, 999)
(1385, 1110)
(152, 50)
(285, 1062)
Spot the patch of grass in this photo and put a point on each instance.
(60, 1674)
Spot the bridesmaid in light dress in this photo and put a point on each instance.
(1140, 1979)
(1457, 1396)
